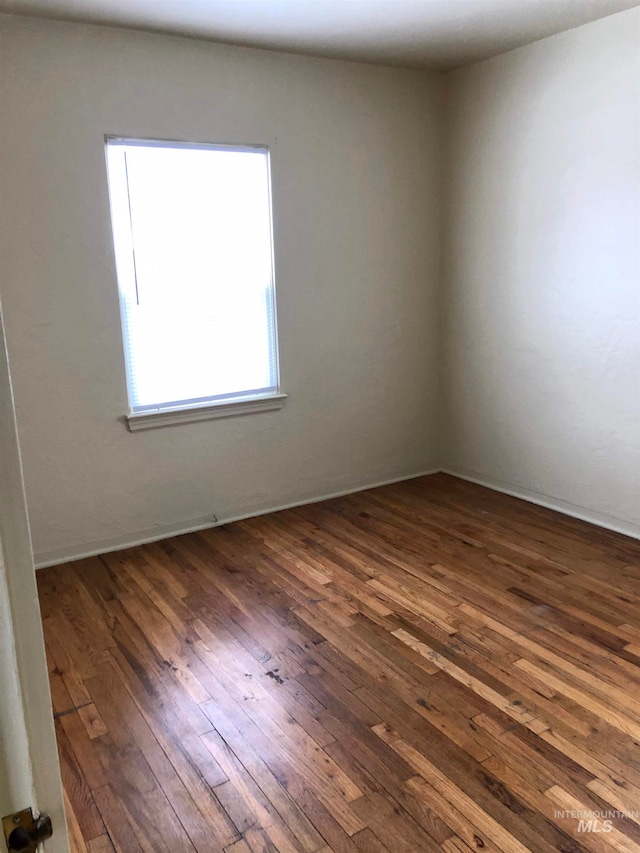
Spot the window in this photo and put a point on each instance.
(192, 236)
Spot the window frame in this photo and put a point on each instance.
(213, 407)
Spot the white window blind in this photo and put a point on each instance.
(193, 245)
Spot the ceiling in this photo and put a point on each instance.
(438, 34)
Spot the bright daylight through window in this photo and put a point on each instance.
(192, 237)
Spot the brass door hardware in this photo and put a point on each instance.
(23, 832)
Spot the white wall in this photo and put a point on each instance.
(356, 188)
(542, 367)
(540, 364)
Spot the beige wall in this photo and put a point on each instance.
(542, 366)
(356, 193)
(536, 388)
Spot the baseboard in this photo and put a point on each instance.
(142, 537)
(627, 528)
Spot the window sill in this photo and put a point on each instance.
(210, 411)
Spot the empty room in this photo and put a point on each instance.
(320, 426)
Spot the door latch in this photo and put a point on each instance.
(23, 832)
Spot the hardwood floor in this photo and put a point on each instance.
(428, 666)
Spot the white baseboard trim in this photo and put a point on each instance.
(627, 528)
(141, 537)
